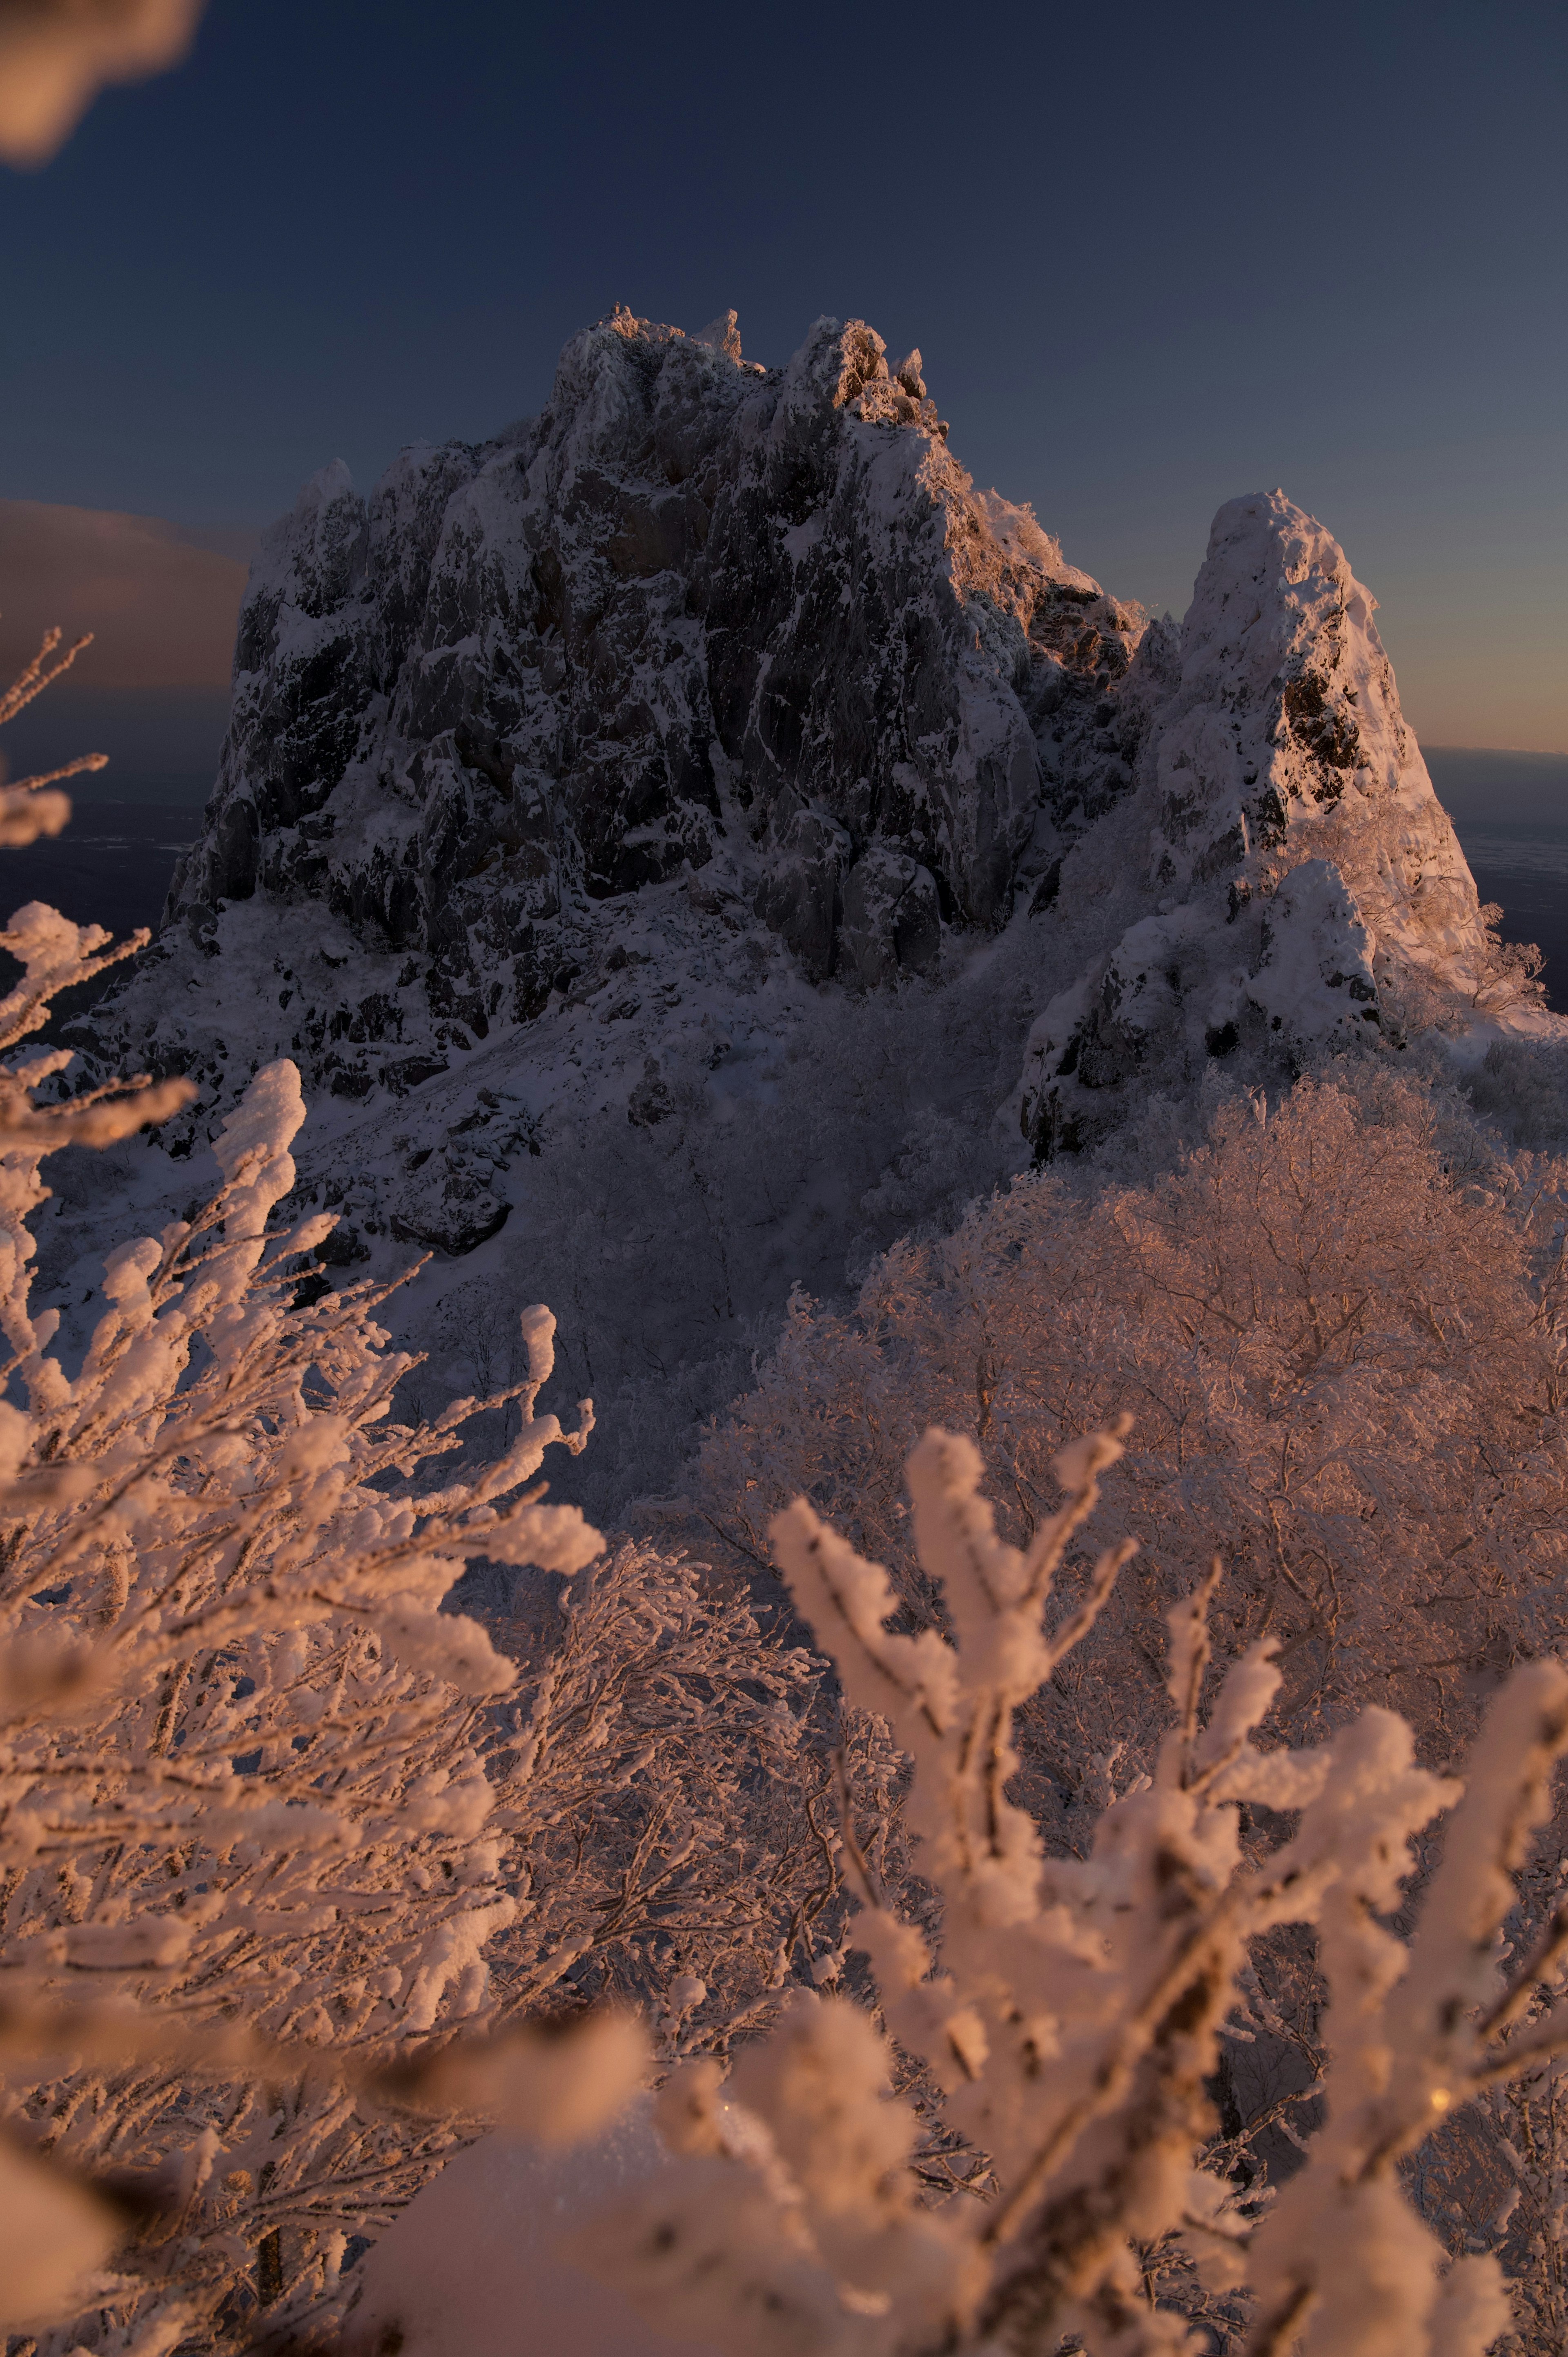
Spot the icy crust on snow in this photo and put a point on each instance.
(1284, 833)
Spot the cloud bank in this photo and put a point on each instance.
(162, 608)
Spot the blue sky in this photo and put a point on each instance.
(1154, 257)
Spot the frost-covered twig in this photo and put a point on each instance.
(257, 1780)
(55, 956)
(27, 810)
(1073, 2016)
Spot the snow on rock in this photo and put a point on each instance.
(1298, 868)
(660, 835)
(1316, 957)
(698, 616)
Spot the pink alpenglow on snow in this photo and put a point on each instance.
(1303, 883)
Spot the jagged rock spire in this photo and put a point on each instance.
(694, 603)
(1296, 867)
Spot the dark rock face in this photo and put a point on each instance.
(891, 916)
(446, 1203)
(650, 1101)
(694, 600)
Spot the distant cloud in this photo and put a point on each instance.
(57, 54)
(162, 608)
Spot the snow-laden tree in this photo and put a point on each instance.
(274, 1825)
(1338, 1328)
(258, 1778)
(1075, 2011)
(1338, 1325)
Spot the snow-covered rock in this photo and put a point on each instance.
(1300, 874)
(693, 604)
(740, 651)
(663, 836)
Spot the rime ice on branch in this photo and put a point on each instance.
(243, 1815)
(242, 1742)
(274, 1827)
(1074, 2014)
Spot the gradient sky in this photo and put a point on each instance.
(1154, 256)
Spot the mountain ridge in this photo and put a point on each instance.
(696, 837)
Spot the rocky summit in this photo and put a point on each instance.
(1301, 879)
(695, 601)
(707, 762)
(747, 640)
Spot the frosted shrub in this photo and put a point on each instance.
(273, 1824)
(1076, 2010)
(1344, 1356)
(1340, 1326)
(257, 1776)
(1522, 1085)
(677, 1829)
(244, 1746)
(28, 810)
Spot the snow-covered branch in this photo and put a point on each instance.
(1073, 2015)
